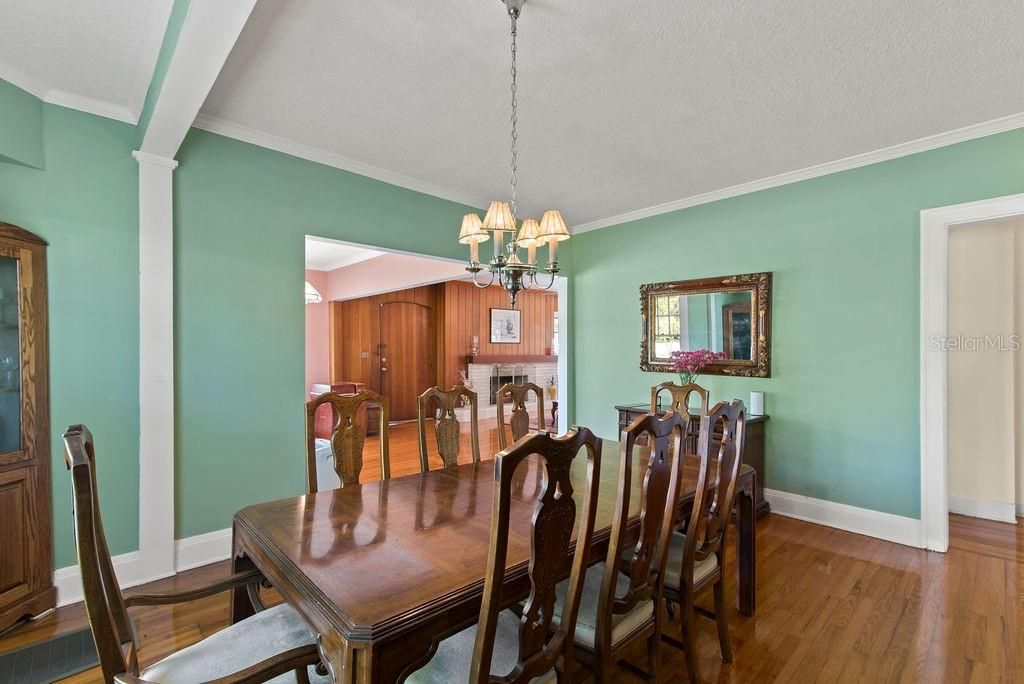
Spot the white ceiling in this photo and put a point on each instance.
(326, 255)
(95, 55)
(625, 104)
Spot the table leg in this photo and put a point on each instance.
(241, 606)
(746, 570)
(337, 656)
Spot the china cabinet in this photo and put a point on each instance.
(26, 561)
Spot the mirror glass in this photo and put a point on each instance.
(719, 321)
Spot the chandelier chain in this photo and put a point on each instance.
(515, 118)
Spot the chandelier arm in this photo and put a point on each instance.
(488, 284)
(550, 282)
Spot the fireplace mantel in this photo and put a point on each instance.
(512, 358)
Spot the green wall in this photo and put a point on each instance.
(844, 248)
(86, 205)
(241, 213)
(21, 136)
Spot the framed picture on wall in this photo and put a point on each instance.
(505, 326)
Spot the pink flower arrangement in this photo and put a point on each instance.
(689, 364)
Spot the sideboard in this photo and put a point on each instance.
(753, 448)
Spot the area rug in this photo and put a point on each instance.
(48, 661)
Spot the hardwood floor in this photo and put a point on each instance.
(832, 606)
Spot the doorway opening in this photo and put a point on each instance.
(398, 324)
(972, 371)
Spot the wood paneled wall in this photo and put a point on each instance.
(355, 334)
(467, 312)
(461, 310)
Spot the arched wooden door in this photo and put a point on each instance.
(406, 355)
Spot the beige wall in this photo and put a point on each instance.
(986, 298)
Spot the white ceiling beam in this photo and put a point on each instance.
(209, 33)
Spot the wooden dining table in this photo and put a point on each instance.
(384, 570)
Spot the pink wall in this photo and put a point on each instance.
(318, 348)
(387, 273)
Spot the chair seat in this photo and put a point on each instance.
(623, 624)
(701, 568)
(244, 644)
(454, 655)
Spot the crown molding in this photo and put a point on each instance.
(91, 106)
(155, 160)
(302, 151)
(63, 98)
(1001, 125)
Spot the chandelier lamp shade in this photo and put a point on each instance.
(506, 266)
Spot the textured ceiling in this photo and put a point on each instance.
(625, 104)
(94, 54)
(326, 255)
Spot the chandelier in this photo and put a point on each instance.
(506, 266)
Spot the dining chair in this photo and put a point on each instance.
(345, 447)
(620, 608)
(680, 402)
(532, 647)
(274, 644)
(695, 558)
(519, 421)
(441, 405)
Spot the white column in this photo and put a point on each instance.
(156, 365)
(564, 358)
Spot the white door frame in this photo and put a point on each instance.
(564, 407)
(935, 225)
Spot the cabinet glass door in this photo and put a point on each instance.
(10, 358)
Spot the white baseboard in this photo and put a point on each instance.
(1020, 510)
(128, 567)
(894, 528)
(990, 510)
(202, 549)
(189, 553)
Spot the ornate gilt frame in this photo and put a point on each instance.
(760, 283)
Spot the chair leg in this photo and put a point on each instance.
(653, 652)
(689, 642)
(605, 667)
(723, 622)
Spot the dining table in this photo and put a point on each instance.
(385, 570)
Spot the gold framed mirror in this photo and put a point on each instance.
(729, 314)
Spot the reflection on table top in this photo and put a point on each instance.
(387, 548)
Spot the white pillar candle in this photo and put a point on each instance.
(756, 403)
(531, 253)
(552, 250)
(499, 243)
(474, 251)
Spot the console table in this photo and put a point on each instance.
(753, 448)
